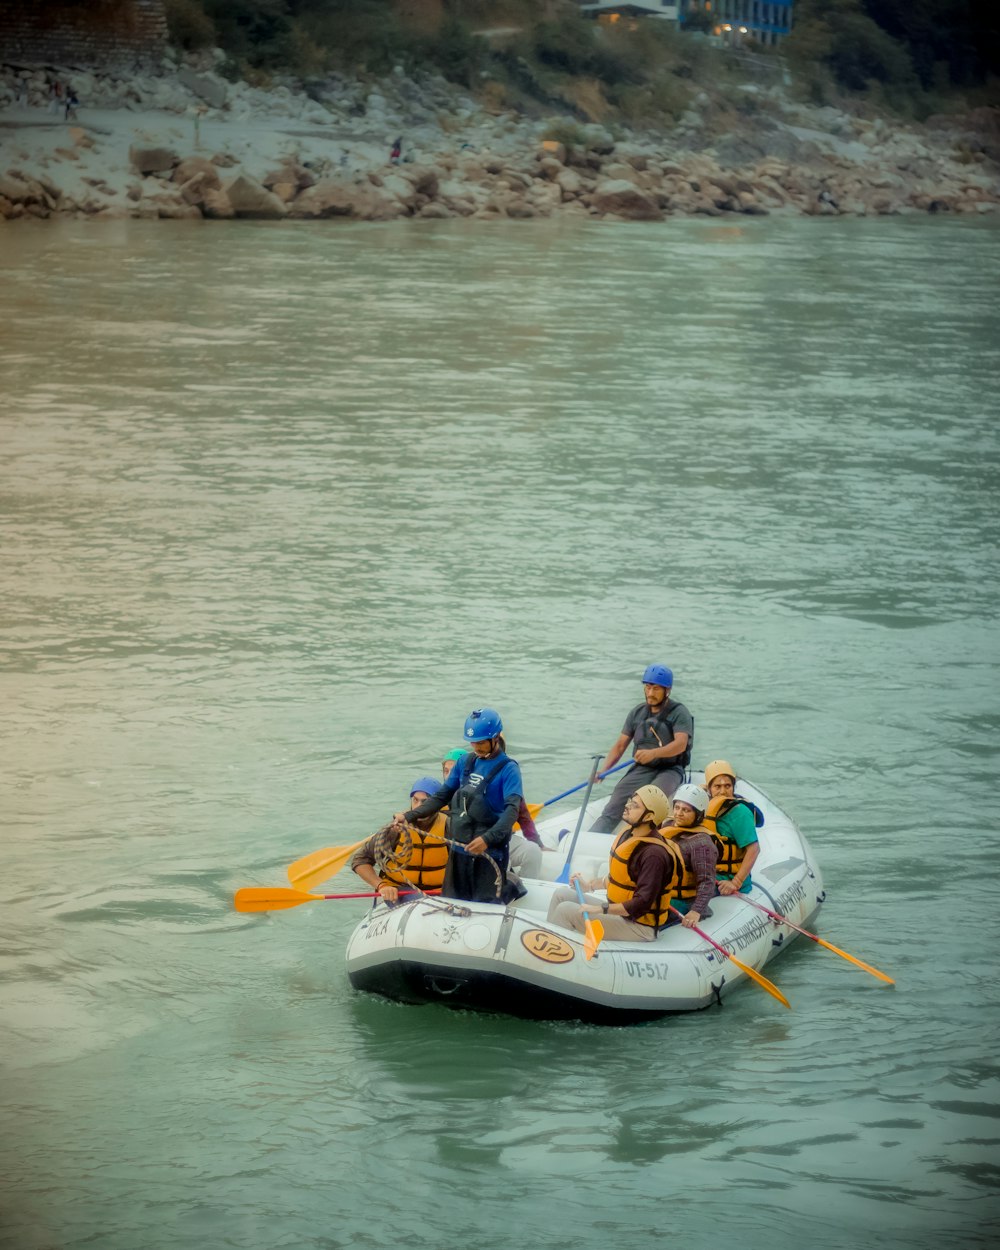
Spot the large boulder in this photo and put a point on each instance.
(617, 171)
(249, 199)
(153, 160)
(401, 189)
(207, 87)
(197, 167)
(426, 179)
(570, 183)
(291, 172)
(549, 167)
(334, 198)
(624, 199)
(16, 190)
(215, 204)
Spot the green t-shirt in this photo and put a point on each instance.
(738, 824)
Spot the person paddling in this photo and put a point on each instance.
(735, 821)
(643, 873)
(694, 841)
(484, 791)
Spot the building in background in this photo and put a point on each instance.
(608, 13)
(82, 34)
(766, 21)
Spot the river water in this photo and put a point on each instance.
(280, 506)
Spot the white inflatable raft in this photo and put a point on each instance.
(493, 958)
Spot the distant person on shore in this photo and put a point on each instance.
(71, 104)
(484, 792)
(397, 151)
(643, 874)
(662, 734)
(55, 98)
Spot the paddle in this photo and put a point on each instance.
(563, 878)
(535, 808)
(763, 982)
(594, 930)
(321, 865)
(805, 933)
(278, 897)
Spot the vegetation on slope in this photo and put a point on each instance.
(909, 55)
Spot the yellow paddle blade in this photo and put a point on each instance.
(270, 898)
(534, 809)
(594, 935)
(763, 982)
(850, 958)
(320, 866)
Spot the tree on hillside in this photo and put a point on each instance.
(900, 43)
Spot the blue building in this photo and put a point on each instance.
(766, 21)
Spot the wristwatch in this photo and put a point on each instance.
(604, 908)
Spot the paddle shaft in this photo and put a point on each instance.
(254, 898)
(817, 939)
(590, 781)
(752, 973)
(563, 877)
(321, 865)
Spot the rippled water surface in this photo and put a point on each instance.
(279, 506)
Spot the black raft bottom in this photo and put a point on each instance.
(421, 983)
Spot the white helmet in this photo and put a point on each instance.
(694, 796)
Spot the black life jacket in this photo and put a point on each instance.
(651, 733)
(471, 814)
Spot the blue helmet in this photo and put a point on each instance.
(426, 785)
(658, 675)
(483, 724)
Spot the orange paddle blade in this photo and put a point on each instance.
(321, 865)
(851, 959)
(270, 898)
(763, 982)
(594, 935)
(821, 941)
(534, 808)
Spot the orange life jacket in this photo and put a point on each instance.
(621, 883)
(424, 865)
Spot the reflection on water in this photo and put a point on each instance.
(279, 506)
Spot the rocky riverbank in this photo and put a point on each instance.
(188, 144)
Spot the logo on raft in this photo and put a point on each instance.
(546, 946)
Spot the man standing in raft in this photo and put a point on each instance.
(484, 791)
(662, 732)
(643, 875)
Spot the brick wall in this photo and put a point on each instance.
(82, 34)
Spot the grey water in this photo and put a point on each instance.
(279, 506)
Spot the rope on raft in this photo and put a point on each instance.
(393, 850)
